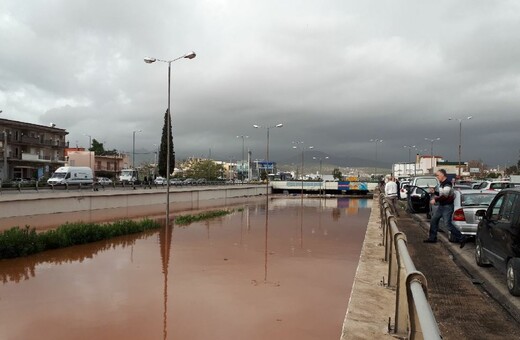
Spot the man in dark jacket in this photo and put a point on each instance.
(444, 197)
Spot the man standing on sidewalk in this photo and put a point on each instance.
(445, 197)
(391, 194)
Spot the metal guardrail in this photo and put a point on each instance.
(413, 316)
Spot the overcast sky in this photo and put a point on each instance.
(335, 73)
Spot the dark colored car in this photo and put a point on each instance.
(419, 193)
(497, 241)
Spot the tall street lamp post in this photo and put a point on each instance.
(410, 147)
(300, 145)
(156, 158)
(89, 152)
(243, 161)
(432, 140)
(149, 60)
(321, 175)
(266, 194)
(133, 148)
(267, 148)
(376, 141)
(460, 138)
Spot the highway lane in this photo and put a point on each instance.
(491, 281)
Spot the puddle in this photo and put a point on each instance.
(228, 278)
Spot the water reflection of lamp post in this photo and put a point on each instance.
(432, 140)
(165, 241)
(460, 137)
(149, 60)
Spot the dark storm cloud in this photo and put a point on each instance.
(336, 73)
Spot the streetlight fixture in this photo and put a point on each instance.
(460, 137)
(300, 145)
(133, 147)
(432, 140)
(321, 175)
(150, 60)
(243, 142)
(376, 141)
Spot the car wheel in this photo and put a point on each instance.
(513, 276)
(480, 258)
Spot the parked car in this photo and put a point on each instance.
(467, 203)
(20, 181)
(159, 180)
(476, 185)
(104, 181)
(189, 181)
(498, 237)
(496, 185)
(176, 181)
(462, 186)
(200, 181)
(419, 195)
(403, 190)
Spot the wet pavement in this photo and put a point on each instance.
(242, 276)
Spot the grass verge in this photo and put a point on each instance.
(187, 219)
(17, 242)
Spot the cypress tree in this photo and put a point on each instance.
(164, 147)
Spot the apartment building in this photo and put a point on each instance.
(30, 150)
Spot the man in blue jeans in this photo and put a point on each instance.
(444, 197)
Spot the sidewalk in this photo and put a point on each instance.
(370, 303)
(462, 310)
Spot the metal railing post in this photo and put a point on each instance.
(401, 301)
(393, 263)
(422, 321)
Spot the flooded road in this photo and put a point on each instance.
(233, 277)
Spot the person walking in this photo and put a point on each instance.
(444, 196)
(391, 194)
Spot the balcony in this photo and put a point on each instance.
(42, 159)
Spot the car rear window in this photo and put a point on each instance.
(426, 182)
(476, 199)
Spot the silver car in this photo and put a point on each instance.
(466, 204)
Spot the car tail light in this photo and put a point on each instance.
(458, 215)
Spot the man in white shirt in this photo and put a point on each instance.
(391, 194)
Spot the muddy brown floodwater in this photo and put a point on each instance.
(217, 279)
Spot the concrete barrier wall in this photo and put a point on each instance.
(67, 202)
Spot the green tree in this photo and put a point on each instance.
(97, 147)
(337, 174)
(163, 150)
(205, 168)
(263, 175)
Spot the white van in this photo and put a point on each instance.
(129, 176)
(71, 175)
